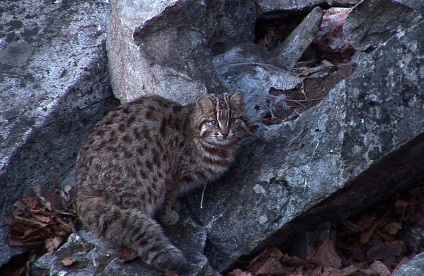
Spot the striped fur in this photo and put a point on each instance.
(142, 156)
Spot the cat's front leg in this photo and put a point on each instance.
(167, 215)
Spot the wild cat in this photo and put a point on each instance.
(142, 156)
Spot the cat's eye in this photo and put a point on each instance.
(232, 121)
(214, 122)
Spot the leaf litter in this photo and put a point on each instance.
(42, 222)
(376, 243)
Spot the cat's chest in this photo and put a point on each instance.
(201, 166)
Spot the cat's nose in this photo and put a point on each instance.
(224, 133)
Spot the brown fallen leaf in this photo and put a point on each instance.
(29, 201)
(14, 242)
(29, 222)
(392, 228)
(295, 261)
(366, 236)
(379, 268)
(401, 204)
(18, 208)
(170, 273)
(263, 257)
(53, 243)
(376, 268)
(239, 272)
(325, 255)
(360, 226)
(272, 266)
(42, 218)
(52, 201)
(68, 261)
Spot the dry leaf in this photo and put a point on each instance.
(43, 218)
(392, 228)
(360, 226)
(366, 236)
(402, 204)
(53, 243)
(13, 242)
(29, 201)
(295, 261)
(272, 266)
(379, 268)
(68, 261)
(239, 272)
(264, 257)
(326, 256)
(52, 201)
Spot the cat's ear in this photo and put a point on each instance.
(204, 103)
(237, 100)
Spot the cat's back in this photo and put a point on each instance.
(132, 133)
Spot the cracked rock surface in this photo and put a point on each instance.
(356, 145)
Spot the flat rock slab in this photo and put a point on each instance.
(54, 85)
(292, 48)
(333, 161)
(372, 22)
(272, 6)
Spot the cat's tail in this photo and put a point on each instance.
(130, 228)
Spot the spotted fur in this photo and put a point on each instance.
(142, 156)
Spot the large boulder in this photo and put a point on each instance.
(374, 21)
(360, 145)
(54, 85)
(166, 47)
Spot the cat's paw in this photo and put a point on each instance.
(169, 218)
(174, 261)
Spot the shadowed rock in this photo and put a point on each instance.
(53, 87)
(358, 146)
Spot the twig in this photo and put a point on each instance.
(203, 195)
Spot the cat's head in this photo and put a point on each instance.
(221, 118)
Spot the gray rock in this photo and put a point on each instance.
(54, 86)
(16, 53)
(292, 48)
(418, 5)
(94, 256)
(360, 145)
(272, 6)
(412, 268)
(165, 47)
(249, 68)
(372, 22)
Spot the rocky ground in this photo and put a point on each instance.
(328, 183)
(375, 242)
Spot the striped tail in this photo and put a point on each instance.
(130, 228)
